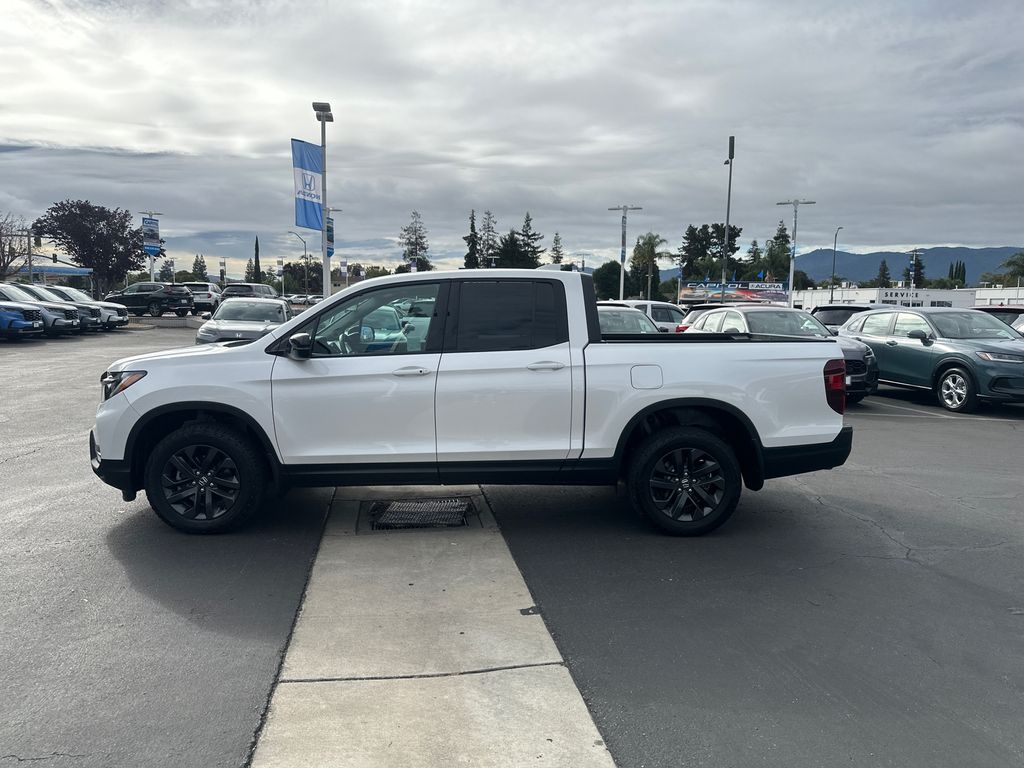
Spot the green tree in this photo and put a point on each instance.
(1014, 266)
(373, 271)
(13, 245)
(557, 253)
(718, 248)
(529, 242)
(801, 282)
(606, 280)
(257, 273)
(413, 239)
(488, 239)
(199, 269)
(643, 264)
(511, 254)
(778, 254)
(96, 237)
(166, 273)
(250, 272)
(883, 279)
(694, 251)
(472, 260)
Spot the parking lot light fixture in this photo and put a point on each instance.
(832, 285)
(322, 109)
(796, 203)
(622, 254)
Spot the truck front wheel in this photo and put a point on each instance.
(204, 478)
(684, 480)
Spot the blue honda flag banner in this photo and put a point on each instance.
(330, 237)
(307, 165)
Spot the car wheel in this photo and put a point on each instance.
(685, 480)
(181, 312)
(154, 309)
(855, 398)
(956, 391)
(204, 478)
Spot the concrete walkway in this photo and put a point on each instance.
(422, 648)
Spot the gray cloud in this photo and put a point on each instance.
(903, 121)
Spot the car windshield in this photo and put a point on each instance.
(252, 311)
(785, 323)
(75, 294)
(44, 294)
(17, 294)
(620, 320)
(971, 325)
(1008, 316)
(835, 316)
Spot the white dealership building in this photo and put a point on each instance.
(910, 297)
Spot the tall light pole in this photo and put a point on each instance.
(914, 252)
(792, 259)
(152, 274)
(832, 285)
(343, 266)
(324, 116)
(305, 260)
(622, 253)
(728, 203)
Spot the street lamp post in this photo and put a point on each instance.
(832, 285)
(305, 260)
(792, 259)
(728, 203)
(622, 253)
(324, 116)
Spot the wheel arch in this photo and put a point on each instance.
(952, 362)
(160, 422)
(722, 419)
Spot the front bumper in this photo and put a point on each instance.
(23, 328)
(63, 325)
(115, 473)
(116, 321)
(1004, 387)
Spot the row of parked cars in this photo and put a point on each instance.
(53, 310)
(963, 356)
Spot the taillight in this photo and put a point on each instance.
(835, 385)
(682, 327)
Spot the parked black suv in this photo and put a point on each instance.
(834, 315)
(154, 298)
(248, 291)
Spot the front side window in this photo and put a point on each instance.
(907, 322)
(504, 315)
(877, 325)
(379, 322)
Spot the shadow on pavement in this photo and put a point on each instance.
(230, 583)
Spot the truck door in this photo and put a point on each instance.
(504, 384)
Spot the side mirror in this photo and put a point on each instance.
(366, 334)
(206, 315)
(918, 334)
(301, 346)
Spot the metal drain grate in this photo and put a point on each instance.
(420, 513)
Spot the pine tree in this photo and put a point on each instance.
(557, 254)
(529, 241)
(884, 279)
(166, 272)
(693, 251)
(472, 244)
(257, 273)
(413, 239)
(511, 254)
(250, 271)
(488, 239)
(199, 269)
(778, 255)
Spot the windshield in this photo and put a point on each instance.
(17, 294)
(785, 323)
(971, 325)
(251, 311)
(835, 316)
(1008, 316)
(624, 321)
(75, 294)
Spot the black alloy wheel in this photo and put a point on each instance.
(204, 478)
(154, 309)
(685, 480)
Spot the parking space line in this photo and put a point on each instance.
(919, 414)
(912, 410)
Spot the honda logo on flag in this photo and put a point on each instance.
(308, 182)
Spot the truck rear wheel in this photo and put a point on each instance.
(685, 480)
(204, 478)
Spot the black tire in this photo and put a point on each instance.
(685, 481)
(154, 309)
(204, 457)
(181, 312)
(855, 398)
(956, 391)
(138, 312)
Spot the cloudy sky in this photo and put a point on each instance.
(903, 120)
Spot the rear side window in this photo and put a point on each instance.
(713, 322)
(835, 316)
(877, 325)
(666, 314)
(510, 314)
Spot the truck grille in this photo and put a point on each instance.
(32, 314)
(94, 312)
(855, 367)
(122, 312)
(70, 314)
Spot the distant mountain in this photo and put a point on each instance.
(861, 267)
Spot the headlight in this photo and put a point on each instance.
(1001, 357)
(119, 382)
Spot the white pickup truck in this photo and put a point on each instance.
(489, 376)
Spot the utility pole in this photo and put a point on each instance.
(792, 259)
(832, 285)
(914, 253)
(622, 254)
(728, 202)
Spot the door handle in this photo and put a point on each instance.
(891, 343)
(411, 371)
(546, 365)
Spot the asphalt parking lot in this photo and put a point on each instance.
(868, 616)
